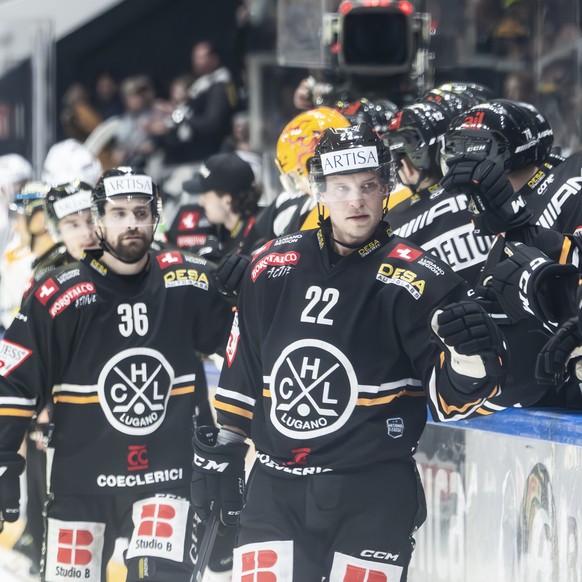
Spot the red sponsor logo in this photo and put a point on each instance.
(274, 260)
(257, 565)
(473, 121)
(401, 251)
(73, 547)
(262, 249)
(357, 574)
(63, 301)
(46, 291)
(189, 220)
(191, 240)
(137, 458)
(156, 520)
(233, 340)
(11, 356)
(29, 286)
(169, 259)
(299, 457)
(395, 121)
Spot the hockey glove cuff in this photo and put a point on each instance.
(11, 467)
(218, 475)
(230, 273)
(475, 349)
(553, 362)
(528, 284)
(492, 201)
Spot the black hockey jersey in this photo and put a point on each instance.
(119, 355)
(553, 195)
(330, 368)
(439, 222)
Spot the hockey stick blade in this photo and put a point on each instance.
(206, 544)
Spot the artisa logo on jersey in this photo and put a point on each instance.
(301, 380)
(134, 388)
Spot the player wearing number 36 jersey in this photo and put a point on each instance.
(329, 368)
(113, 341)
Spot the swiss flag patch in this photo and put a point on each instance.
(169, 259)
(404, 252)
(46, 291)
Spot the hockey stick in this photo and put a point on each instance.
(207, 543)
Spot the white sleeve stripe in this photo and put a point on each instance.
(184, 379)
(387, 386)
(78, 388)
(13, 400)
(221, 392)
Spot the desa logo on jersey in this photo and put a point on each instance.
(181, 277)
(274, 260)
(389, 275)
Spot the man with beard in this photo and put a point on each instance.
(112, 341)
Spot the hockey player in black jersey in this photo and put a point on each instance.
(433, 218)
(329, 368)
(112, 340)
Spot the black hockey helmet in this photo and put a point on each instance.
(414, 132)
(376, 113)
(126, 182)
(475, 91)
(64, 200)
(449, 101)
(499, 129)
(349, 150)
(545, 132)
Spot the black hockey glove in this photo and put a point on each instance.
(229, 275)
(218, 475)
(528, 284)
(553, 362)
(474, 346)
(11, 467)
(492, 201)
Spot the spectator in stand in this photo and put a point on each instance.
(78, 116)
(133, 144)
(196, 129)
(107, 100)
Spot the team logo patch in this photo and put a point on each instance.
(233, 340)
(304, 403)
(11, 356)
(271, 561)
(63, 301)
(160, 528)
(46, 291)
(74, 550)
(274, 260)
(404, 252)
(134, 388)
(169, 259)
(351, 569)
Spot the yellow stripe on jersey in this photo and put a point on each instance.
(16, 412)
(386, 399)
(565, 251)
(77, 399)
(485, 412)
(266, 393)
(448, 408)
(233, 409)
(182, 390)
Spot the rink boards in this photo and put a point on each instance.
(504, 499)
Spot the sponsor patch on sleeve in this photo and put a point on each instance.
(274, 260)
(11, 356)
(46, 291)
(169, 259)
(405, 252)
(233, 340)
(63, 301)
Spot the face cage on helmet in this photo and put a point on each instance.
(475, 145)
(409, 143)
(385, 173)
